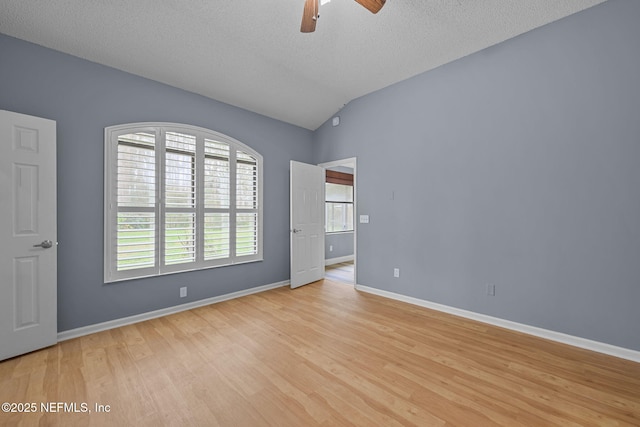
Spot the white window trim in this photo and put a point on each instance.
(111, 135)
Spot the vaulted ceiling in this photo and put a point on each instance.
(251, 54)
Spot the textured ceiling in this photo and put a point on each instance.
(251, 54)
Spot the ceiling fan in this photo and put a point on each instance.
(310, 13)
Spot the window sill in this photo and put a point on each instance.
(120, 278)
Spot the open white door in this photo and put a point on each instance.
(28, 238)
(307, 223)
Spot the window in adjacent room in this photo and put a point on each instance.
(179, 198)
(339, 201)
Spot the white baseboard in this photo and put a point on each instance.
(621, 352)
(338, 260)
(111, 324)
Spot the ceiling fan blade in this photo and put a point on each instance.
(309, 16)
(374, 6)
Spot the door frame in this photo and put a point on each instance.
(351, 162)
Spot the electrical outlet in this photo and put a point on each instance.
(491, 290)
(330, 248)
(396, 272)
(183, 292)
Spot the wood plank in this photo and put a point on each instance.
(335, 177)
(341, 272)
(320, 355)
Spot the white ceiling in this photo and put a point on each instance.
(251, 54)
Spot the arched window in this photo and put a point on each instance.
(178, 198)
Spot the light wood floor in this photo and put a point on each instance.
(321, 355)
(342, 272)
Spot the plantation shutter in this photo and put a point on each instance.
(136, 202)
(217, 200)
(246, 205)
(179, 198)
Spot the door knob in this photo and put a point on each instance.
(46, 244)
(295, 230)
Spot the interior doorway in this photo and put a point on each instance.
(340, 221)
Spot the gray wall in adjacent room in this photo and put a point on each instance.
(83, 98)
(517, 166)
(342, 244)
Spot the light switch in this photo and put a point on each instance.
(364, 219)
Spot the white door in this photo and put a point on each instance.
(307, 223)
(28, 253)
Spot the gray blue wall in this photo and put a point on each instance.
(517, 166)
(341, 243)
(84, 98)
